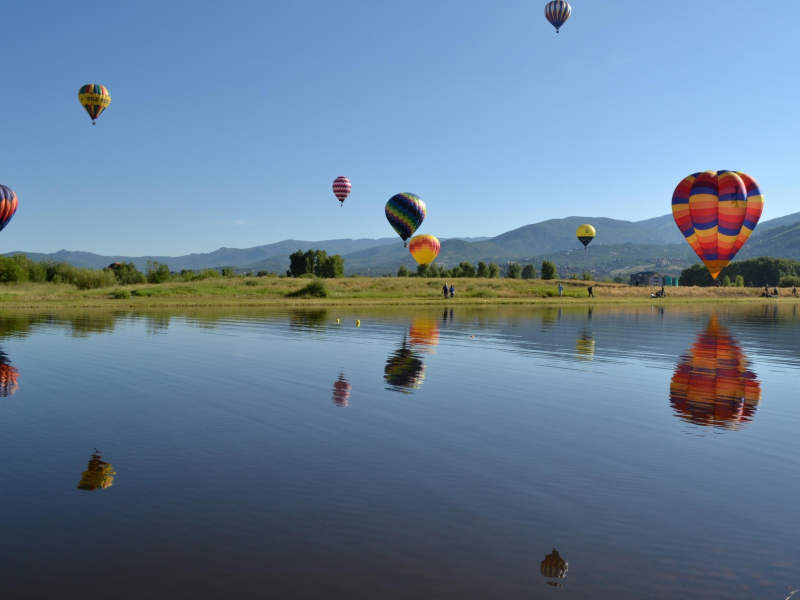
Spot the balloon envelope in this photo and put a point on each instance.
(717, 211)
(405, 213)
(94, 98)
(424, 248)
(341, 188)
(558, 13)
(8, 205)
(713, 384)
(585, 233)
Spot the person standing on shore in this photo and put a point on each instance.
(591, 295)
(444, 291)
(452, 290)
(560, 289)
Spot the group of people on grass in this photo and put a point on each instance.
(444, 291)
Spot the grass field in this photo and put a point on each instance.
(258, 291)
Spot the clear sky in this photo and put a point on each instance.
(230, 120)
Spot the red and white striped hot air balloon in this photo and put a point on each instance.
(341, 188)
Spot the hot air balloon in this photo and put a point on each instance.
(405, 213)
(557, 12)
(341, 391)
(713, 385)
(94, 99)
(8, 377)
(585, 233)
(717, 211)
(98, 475)
(341, 188)
(424, 248)
(554, 566)
(404, 370)
(8, 205)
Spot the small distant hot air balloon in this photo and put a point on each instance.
(554, 566)
(341, 188)
(585, 234)
(717, 211)
(557, 12)
(341, 391)
(98, 475)
(424, 248)
(94, 99)
(8, 205)
(405, 213)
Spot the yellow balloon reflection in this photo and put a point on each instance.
(424, 333)
(713, 385)
(584, 346)
(8, 377)
(404, 370)
(554, 567)
(341, 391)
(98, 475)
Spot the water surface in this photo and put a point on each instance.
(611, 453)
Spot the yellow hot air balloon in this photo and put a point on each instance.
(424, 248)
(95, 99)
(585, 234)
(98, 476)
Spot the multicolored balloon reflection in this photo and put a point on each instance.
(98, 475)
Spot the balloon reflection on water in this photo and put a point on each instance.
(554, 567)
(404, 370)
(424, 333)
(98, 475)
(713, 384)
(8, 377)
(341, 391)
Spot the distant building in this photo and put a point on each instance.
(671, 281)
(646, 278)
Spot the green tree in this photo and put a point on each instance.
(739, 281)
(301, 263)
(157, 272)
(226, 271)
(529, 272)
(11, 271)
(494, 270)
(403, 271)
(422, 270)
(330, 267)
(513, 271)
(586, 276)
(465, 269)
(483, 270)
(549, 270)
(726, 281)
(127, 273)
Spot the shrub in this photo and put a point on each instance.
(315, 289)
(529, 272)
(90, 279)
(128, 274)
(726, 281)
(157, 272)
(11, 271)
(513, 271)
(120, 294)
(494, 270)
(549, 270)
(227, 271)
(790, 281)
(251, 282)
(586, 276)
(403, 271)
(739, 281)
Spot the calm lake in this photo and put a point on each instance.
(614, 453)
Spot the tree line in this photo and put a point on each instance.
(483, 270)
(317, 263)
(753, 272)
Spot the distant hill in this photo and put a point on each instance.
(619, 245)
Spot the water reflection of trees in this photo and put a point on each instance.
(98, 475)
(308, 319)
(8, 377)
(341, 391)
(713, 385)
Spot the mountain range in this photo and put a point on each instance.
(619, 247)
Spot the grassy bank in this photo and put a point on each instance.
(266, 291)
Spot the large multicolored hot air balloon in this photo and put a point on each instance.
(424, 248)
(8, 205)
(98, 475)
(713, 384)
(8, 377)
(94, 99)
(405, 213)
(557, 12)
(585, 233)
(341, 188)
(717, 211)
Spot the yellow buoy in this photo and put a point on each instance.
(337, 320)
(358, 323)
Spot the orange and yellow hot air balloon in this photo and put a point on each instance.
(713, 384)
(424, 248)
(717, 211)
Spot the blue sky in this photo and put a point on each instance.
(230, 120)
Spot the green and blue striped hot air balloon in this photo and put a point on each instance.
(405, 213)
